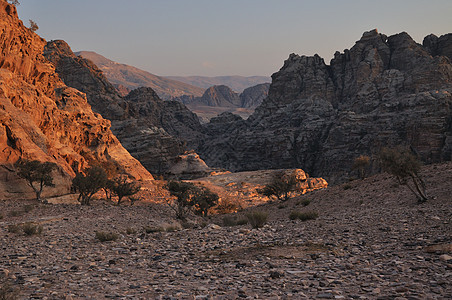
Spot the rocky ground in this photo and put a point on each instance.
(370, 241)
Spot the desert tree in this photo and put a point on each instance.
(33, 25)
(204, 199)
(111, 170)
(405, 166)
(360, 164)
(121, 188)
(37, 174)
(280, 186)
(89, 184)
(183, 191)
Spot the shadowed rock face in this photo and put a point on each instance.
(253, 96)
(152, 130)
(42, 118)
(384, 91)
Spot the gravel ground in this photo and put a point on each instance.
(370, 241)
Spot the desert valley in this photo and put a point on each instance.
(325, 181)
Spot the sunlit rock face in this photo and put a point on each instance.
(42, 118)
(154, 131)
(384, 91)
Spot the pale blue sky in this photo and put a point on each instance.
(227, 37)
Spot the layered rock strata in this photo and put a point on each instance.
(42, 118)
(384, 91)
(153, 131)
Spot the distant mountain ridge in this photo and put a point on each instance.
(126, 78)
(236, 83)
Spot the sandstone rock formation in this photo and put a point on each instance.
(153, 131)
(188, 166)
(218, 95)
(125, 76)
(253, 96)
(41, 118)
(384, 91)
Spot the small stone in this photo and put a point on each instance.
(445, 257)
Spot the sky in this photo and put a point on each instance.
(227, 37)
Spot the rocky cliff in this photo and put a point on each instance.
(152, 130)
(42, 118)
(253, 96)
(384, 91)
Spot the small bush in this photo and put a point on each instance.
(130, 230)
(31, 229)
(347, 187)
(106, 236)
(28, 208)
(15, 213)
(8, 292)
(303, 216)
(405, 167)
(257, 219)
(242, 221)
(171, 228)
(13, 228)
(153, 229)
(304, 202)
(229, 221)
(360, 164)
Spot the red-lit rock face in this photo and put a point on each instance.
(41, 118)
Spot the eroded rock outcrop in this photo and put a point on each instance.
(42, 118)
(153, 131)
(253, 96)
(384, 91)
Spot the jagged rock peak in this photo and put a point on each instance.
(220, 95)
(383, 91)
(439, 45)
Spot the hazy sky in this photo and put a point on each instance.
(226, 37)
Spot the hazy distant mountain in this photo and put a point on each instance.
(236, 83)
(126, 78)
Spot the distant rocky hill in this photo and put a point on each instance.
(236, 83)
(254, 96)
(41, 118)
(384, 91)
(220, 98)
(126, 78)
(152, 130)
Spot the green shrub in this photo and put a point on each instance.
(31, 229)
(257, 219)
(280, 187)
(106, 236)
(405, 167)
(303, 216)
